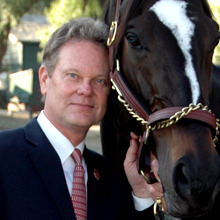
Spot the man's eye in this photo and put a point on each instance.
(73, 75)
(100, 81)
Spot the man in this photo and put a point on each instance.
(36, 162)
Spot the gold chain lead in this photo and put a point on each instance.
(172, 120)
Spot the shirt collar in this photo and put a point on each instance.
(61, 144)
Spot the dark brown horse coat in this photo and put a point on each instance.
(164, 69)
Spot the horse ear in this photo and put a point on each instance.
(207, 8)
(109, 11)
(106, 13)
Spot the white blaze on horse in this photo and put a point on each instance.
(183, 30)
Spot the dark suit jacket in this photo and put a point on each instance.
(33, 187)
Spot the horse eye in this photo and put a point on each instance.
(134, 41)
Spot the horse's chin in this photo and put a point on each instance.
(185, 209)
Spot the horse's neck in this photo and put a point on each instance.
(214, 97)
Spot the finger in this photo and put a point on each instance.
(164, 204)
(133, 135)
(155, 190)
(154, 165)
(131, 154)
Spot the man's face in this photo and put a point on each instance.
(77, 91)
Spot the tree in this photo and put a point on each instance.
(61, 11)
(215, 6)
(11, 12)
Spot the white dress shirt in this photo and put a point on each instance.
(64, 149)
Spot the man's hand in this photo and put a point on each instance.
(140, 187)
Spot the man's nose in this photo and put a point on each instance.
(85, 89)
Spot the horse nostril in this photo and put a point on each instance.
(192, 183)
(181, 179)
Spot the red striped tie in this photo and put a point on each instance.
(79, 188)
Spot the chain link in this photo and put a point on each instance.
(172, 120)
(217, 131)
(178, 115)
(127, 106)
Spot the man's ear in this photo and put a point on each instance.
(43, 77)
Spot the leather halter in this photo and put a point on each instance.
(143, 115)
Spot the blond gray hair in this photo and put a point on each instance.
(77, 29)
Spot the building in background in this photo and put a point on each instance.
(22, 54)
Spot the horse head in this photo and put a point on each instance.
(163, 50)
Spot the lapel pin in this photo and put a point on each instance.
(96, 174)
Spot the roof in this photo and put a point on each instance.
(28, 28)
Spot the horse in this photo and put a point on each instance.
(214, 100)
(160, 53)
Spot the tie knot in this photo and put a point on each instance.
(76, 155)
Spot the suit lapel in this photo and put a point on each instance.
(48, 165)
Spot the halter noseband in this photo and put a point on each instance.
(157, 120)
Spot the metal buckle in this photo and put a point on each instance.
(148, 180)
(158, 208)
(114, 27)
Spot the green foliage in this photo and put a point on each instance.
(62, 11)
(17, 8)
(11, 12)
(5, 16)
